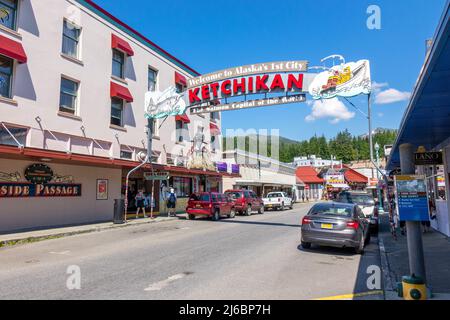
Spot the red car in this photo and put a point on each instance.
(246, 201)
(210, 204)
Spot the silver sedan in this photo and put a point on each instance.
(337, 225)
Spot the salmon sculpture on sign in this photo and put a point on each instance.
(163, 104)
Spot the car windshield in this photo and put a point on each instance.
(331, 210)
(274, 195)
(199, 197)
(361, 199)
(234, 195)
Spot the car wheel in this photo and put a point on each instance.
(306, 245)
(248, 212)
(261, 210)
(216, 215)
(232, 214)
(360, 248)
(191, 216)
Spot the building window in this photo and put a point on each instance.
(182, 186)
(6, 71)
(152, 76)
(126, 154)
(179, 128)
(71, 38)
(19, 133)
(118, 63)
(116, 111)
(8, 13)
(68, 96)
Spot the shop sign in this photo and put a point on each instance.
(29, 190)
(156, 176)
(344, 80)
(39, 173)
(222, 166)
(336, 180)
(428, 158)
(235, 168)
(411, 196)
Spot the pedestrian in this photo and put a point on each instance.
(303, 197)
(426, 225)
(171, 202)
(140, 203)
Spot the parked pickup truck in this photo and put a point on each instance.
(277, 200)
(210, 204)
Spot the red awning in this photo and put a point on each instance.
(123, 93)
(184, 118)
(12, 49)
(215, 130)
(122, 45)
(179, 78)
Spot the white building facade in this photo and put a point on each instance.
(72, 85)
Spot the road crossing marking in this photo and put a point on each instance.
(164, 283)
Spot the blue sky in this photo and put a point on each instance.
(213, 35)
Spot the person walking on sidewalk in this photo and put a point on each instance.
(172, 202)
(427, 224)
(140, 203)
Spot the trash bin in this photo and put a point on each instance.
(119, 211)
(412, 288)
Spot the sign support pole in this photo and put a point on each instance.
(413, 228)
(148, 159)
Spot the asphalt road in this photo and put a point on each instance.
(255, 257)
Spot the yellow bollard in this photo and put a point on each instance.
(412, 288)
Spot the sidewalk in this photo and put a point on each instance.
(394, 258)
(39, 235)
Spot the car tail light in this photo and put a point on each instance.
(210, 206)
(306, 221)
(353, 224)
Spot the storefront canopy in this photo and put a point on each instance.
(12, 49)
(183, 118)
(308, 175)
(426, 120)
(214, 128)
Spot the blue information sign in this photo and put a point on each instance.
(412, 200)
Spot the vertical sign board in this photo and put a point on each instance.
(412, 200)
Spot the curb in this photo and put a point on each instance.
(24, 240)
(390, 286)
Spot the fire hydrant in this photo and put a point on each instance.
(412, 288)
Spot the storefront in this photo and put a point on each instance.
(425, 131)
(314, 185)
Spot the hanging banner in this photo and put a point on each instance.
(344, 80)
(412, 200)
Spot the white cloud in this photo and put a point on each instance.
(391, 96)
(329, 108)
(376, 86)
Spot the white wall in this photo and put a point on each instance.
(23, 213)
(36, 84)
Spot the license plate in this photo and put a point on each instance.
(270, 205)
(198, 206)
(326, 226)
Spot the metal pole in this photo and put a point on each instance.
(372, 160)
(413, 228)
(148, 159)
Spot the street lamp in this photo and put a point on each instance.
(380, 206)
